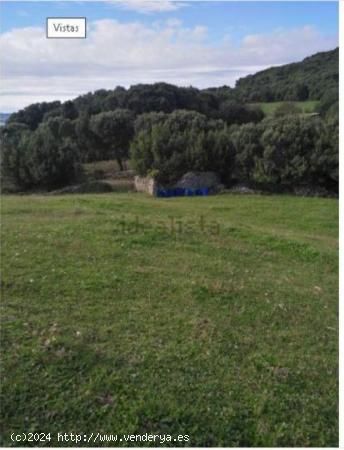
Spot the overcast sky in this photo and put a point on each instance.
(143, 41)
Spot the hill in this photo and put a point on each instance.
(315, 78)
(309, 79)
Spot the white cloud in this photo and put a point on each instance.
(35, 68)
(173, 22)
(287, 45)
(149, 6)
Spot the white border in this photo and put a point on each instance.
(341, 191)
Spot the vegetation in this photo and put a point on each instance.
(310, 79)
(114, 129)
(109, 172)
(242, 351)
(269, 108)
(101, 169)
(274, 154)
(171, 145)
(171, 129)
(45, 158)
(102, 331)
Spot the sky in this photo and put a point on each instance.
(198, 43)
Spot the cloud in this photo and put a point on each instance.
(173, 22)
(35, 68)
(287, 45)
(149, 6)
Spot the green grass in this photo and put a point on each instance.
(269, 109)
(226, 334)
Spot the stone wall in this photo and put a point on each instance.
(145, 184)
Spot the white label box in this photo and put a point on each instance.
(66, 27)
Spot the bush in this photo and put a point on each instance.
(46, 158)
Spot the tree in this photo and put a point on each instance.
(147, 120)
(45, 158)
(69, 110)
(302, 92)
(115, 130)
(13, 138)
(89, 144)
(33, 114)
(235, 113)
(170, 145)
(329, 103)
(220, 152)
(324, 159)
(52, 159)
(248, 149)
(288, 146)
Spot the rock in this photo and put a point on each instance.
(198, 180)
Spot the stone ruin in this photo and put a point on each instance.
(190, 181)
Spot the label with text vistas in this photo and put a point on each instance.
(66, 27)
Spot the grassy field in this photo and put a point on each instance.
(214, 318)
(269, 109)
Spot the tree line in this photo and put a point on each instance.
(274, 153)
(42, 139)
(167, 130)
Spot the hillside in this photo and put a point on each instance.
(309, 79)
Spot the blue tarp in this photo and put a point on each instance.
(181, 192)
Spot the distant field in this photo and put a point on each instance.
(227, 334)
(270, 108)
